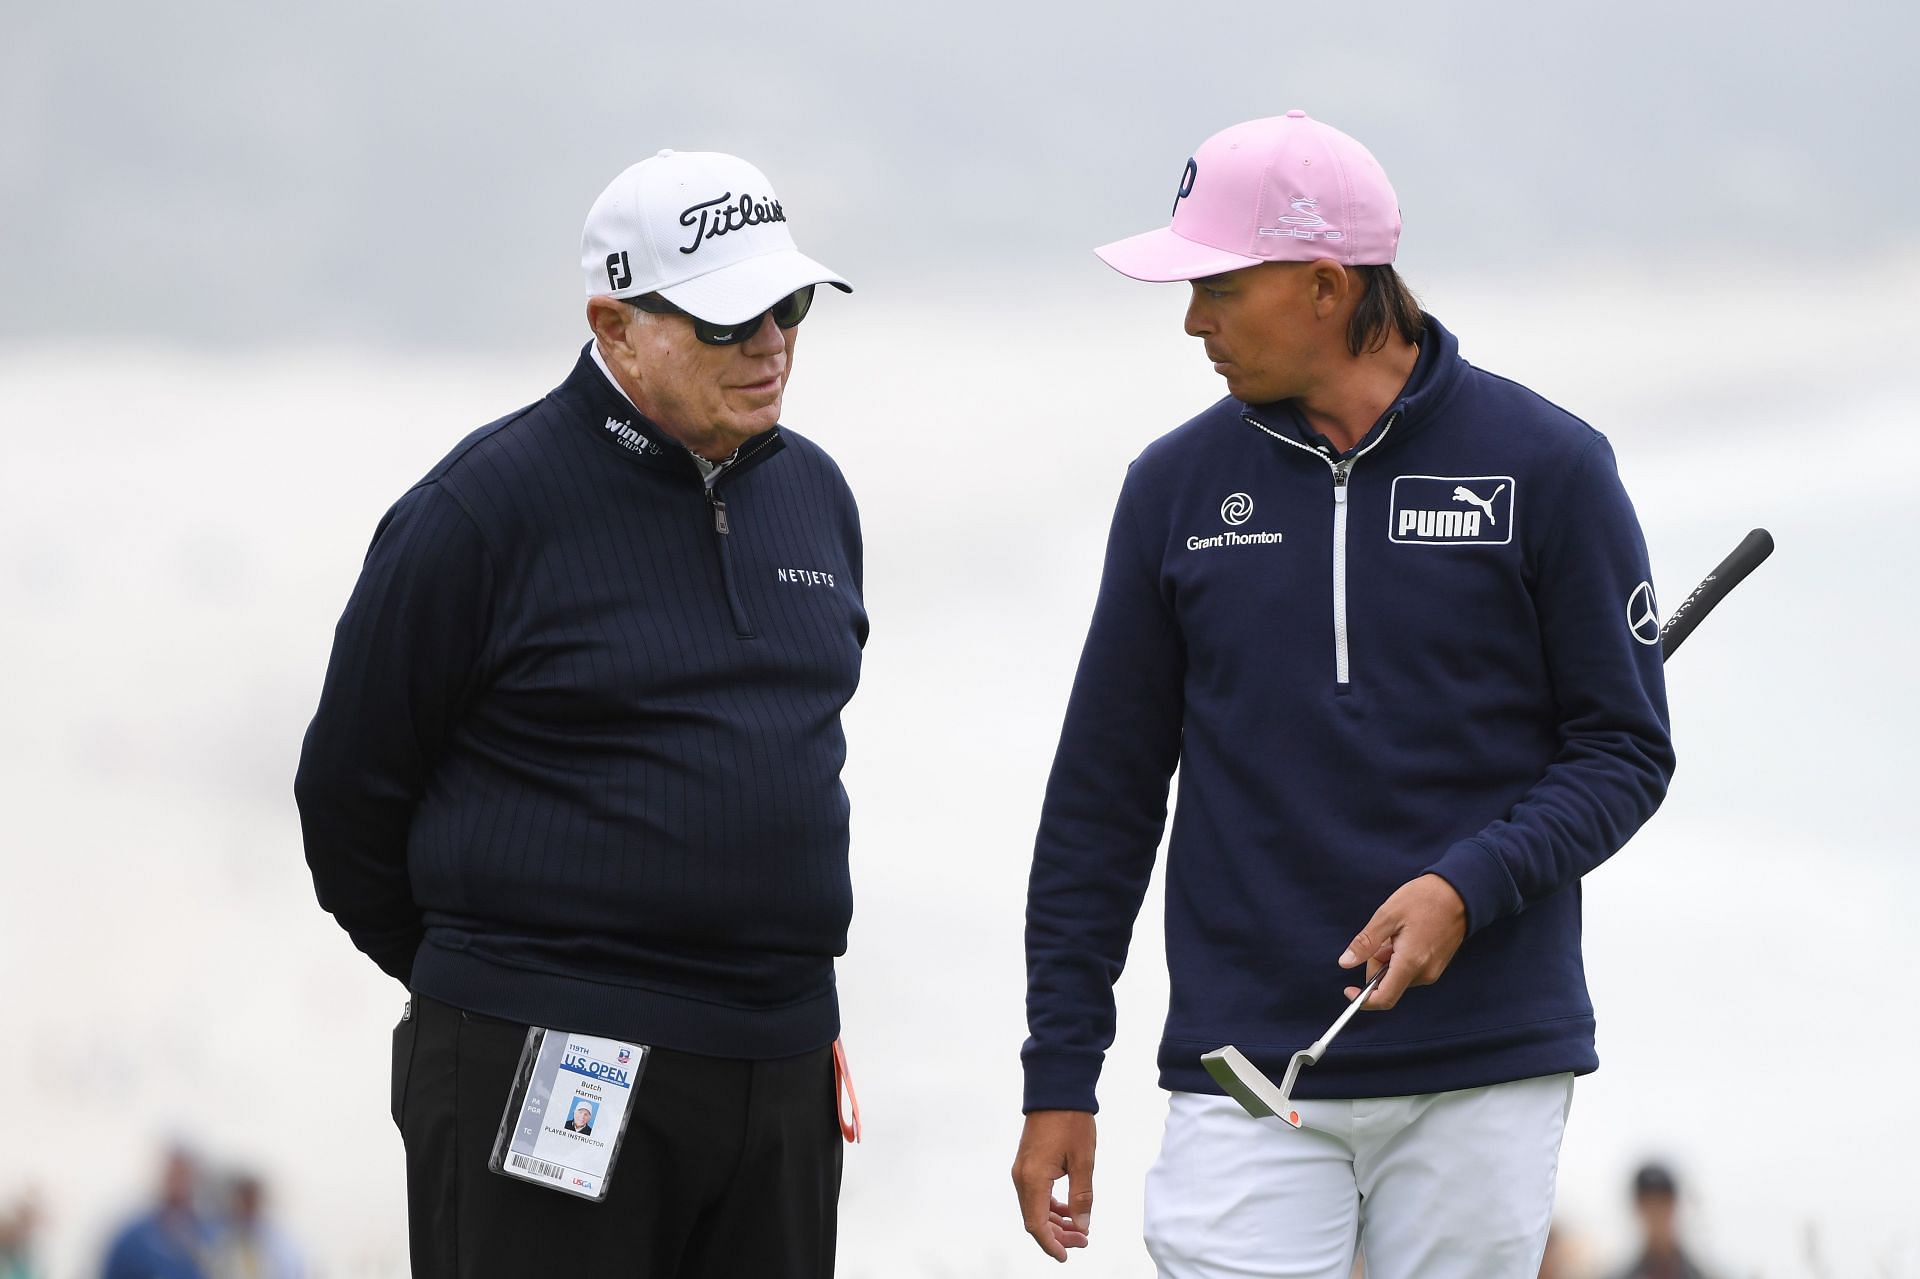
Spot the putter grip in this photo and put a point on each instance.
(1749, 555)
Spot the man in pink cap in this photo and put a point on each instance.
(1390, 616)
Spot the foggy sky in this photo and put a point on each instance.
(414, 175)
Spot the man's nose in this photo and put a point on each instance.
(766, 340)
(1197, 323)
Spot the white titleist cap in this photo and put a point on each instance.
(702, 229)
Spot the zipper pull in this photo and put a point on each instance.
(1340, 470)
(719, 512)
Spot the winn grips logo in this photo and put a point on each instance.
(1452, 510)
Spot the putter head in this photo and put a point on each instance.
(1246, 1084)
(1254, 1091)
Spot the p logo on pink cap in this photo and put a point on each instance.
(1283, 189)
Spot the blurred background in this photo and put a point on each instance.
(264, 264)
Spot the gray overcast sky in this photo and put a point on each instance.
(415, 174)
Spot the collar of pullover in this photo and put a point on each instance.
(604, 409)
(1435, 376)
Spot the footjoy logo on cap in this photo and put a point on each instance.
(1452, 510)
(619, 271)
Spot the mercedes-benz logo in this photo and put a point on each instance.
(1643, 616)
(1237, 509)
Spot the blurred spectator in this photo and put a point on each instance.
(1655, 1202)
(171, 1242)
(17, 1226)
(250, 1246)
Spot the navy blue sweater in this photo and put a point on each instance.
(577, 758)
(1416, 657)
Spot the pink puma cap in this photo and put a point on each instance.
(1284, 189)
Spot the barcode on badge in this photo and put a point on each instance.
(538, 1167)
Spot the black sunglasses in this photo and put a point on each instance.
(786, 313)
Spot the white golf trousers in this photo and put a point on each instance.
(1451, 1185)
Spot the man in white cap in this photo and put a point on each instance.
(576, 768)
(1390, 616)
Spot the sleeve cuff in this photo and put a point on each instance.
(1476, 872)
(394, 953)
(1058, 1081)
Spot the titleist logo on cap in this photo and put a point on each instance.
(723, 213)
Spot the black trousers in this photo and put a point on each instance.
(730, 1169)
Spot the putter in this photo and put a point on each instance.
(1254, 1091)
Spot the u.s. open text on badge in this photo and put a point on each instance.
(567, 1111)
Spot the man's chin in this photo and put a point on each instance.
(1248, 391)
(756, 413)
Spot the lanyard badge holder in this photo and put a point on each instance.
(567, 1111)
(846, 1103)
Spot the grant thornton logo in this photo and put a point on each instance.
(1236, 511)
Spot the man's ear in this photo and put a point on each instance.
(1330, 285)
(610, 322)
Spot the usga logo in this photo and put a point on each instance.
(1452, 510)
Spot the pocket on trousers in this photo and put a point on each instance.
(403, 1037)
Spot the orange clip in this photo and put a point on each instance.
(843, 1083)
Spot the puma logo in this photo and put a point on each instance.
(1464, 494)
(1447, 510)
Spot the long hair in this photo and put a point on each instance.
(1386, 304)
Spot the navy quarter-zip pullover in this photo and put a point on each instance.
(577, 757)
(1434, 653)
